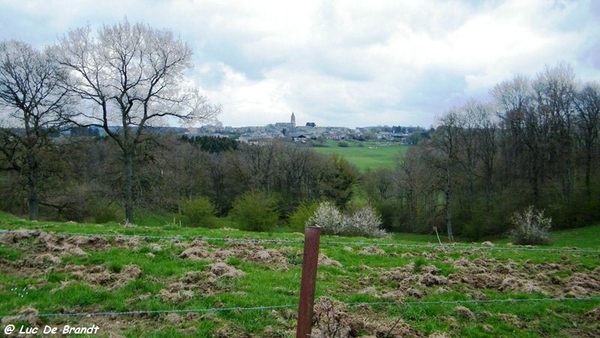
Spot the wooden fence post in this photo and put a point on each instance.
(309, 281)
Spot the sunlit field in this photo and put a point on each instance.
(367, 155)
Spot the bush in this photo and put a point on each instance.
(328, 217)
(106, 214)
(199, 212)
(256, 211)
(531, 228)
(364, 222)
(299, 218)
(343, 144)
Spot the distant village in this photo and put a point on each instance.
(290, 131)
(309, 131)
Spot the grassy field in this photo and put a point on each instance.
(366, 155)
(168, 281)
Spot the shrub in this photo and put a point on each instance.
(343, 144)
(299, 218)
(531, 228)
(106, 214)
(364, 222)
(328, 217)
(199, 212)
(256, 211)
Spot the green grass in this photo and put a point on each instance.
(366, 271)
(580, 238)
(366, 155)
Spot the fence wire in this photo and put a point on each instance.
(326, 241)
(279, 307)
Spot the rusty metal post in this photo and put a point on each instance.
(309, 281)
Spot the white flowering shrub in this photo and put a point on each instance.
(328, 217)
(530, 227)
(364, 222)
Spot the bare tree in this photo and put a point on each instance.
(587, 104)
(32, 106)
(514, 100)
(554, 90)
(130, 78)
(445, 145)
(419, 187)
(486, 126)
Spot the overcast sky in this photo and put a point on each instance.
(342, 63)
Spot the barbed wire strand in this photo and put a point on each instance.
(444, 247)
(278, 307)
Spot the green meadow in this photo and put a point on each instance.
(163, 280)
(366, 155)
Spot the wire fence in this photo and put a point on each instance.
(406, 305)
(326, 241)
(295, 306)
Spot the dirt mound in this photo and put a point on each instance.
(593, 315)
(174, 318)
(519, 285)
(99, 275)
(14, 236)
(223, 255)
(195, 253)
(269, 256)
(223, 270)
(371, 250)
(462, 264)
(129, 242)
(430, 279)
(46, 258)
(589, 282)
(400, 275)
(90, 242)
(334, 319)
(331, 319)
(155, 247)
(63, 244)
(175, 296)
(198, 282)
(464, 312)
(326, 261)
(482, 280)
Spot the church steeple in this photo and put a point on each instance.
(293, 121)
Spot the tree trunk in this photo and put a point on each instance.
(448, 196)
(128, 187)
(588, 173)
(33, 202)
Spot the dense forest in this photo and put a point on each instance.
(533, 143)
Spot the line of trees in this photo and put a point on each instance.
(176, 169)
(534, 143)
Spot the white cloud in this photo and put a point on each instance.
(345, 62)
